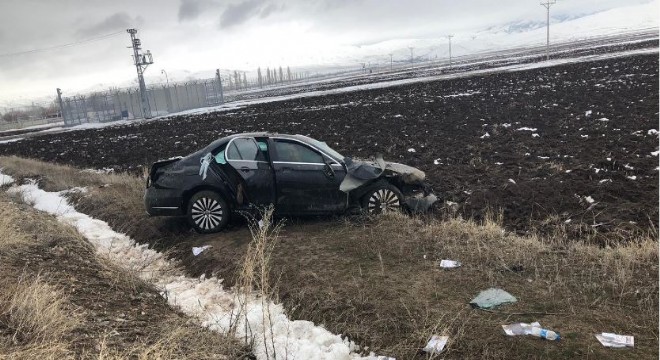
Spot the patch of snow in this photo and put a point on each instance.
(411, 150)
(655, 153)
(628, 167)
(512, 181)
(653, 132)
(526, 129)
(98, 171)
(499, 163)
(506, 125)
(484, 136)
(589, 199)
(6, 179)
(603, 119)
(632, 177)
(605, 181)
(263, 322)
(10, 140)
(437, 162)
(584, 136)
(588, 113)
(535, 135)
(544, 157)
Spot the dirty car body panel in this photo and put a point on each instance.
(296, 174)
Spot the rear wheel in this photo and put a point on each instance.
(382, 198)
(207, 212)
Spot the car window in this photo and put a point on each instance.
(293, 152)
(219, 155)
(244, 149)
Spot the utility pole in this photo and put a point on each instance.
(219, 80)
(449, 37)
(59, 100)
(391, 61)
(141, 62)
(411, 54)
(547, 5)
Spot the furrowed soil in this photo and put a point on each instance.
(573, 145)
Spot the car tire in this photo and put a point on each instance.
(207, 212)
(382, 197)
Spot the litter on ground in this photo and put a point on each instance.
(198, 250)
(533, 329)
(449, 264)
(491, 298)
(436, 344)
(616, 341)
(518, 328)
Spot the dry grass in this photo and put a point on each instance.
(35, 311)
(54, 177)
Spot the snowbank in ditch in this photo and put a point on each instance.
(262, 321)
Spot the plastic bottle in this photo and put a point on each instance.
(544, 333)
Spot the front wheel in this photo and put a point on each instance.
(382, 198)
(208, 212)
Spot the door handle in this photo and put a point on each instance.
(245, 169)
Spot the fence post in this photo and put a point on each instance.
(219, 80)
(59, 101)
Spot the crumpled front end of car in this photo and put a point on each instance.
(417, 193)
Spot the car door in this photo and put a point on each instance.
(307, 181)
(251, 163)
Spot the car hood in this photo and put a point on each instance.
(360, 172)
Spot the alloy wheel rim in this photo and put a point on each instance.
(207, 213)
(383, 200)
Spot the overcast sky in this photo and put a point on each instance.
(196, 35)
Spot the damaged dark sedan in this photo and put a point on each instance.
(295, 173)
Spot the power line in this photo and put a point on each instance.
(63, 45)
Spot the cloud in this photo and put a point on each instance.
(236, 14)
(189, 9)
(115, 22)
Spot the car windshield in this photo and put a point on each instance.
(325, 148)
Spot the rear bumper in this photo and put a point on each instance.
(162, 202)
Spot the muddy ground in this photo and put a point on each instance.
(569, 145)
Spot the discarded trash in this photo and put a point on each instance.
(544, 333)
(616, 341)
(436, 344)
(519, 328)
(198, 250)
(533, 329)
(491, 298)
(449, 264)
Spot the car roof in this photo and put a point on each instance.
(226, 139)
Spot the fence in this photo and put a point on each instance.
(27, 116)
(163, 99)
